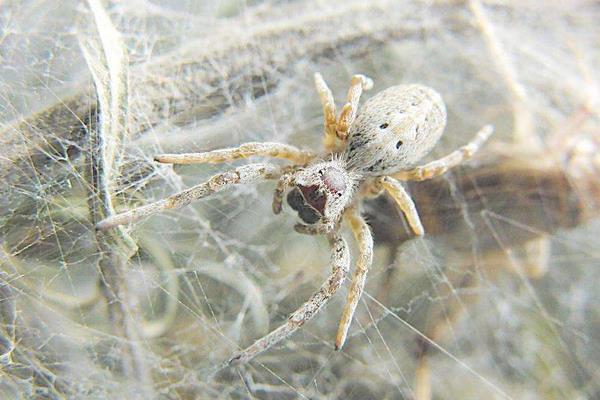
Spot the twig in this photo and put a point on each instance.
(210, 75)
(106, 59)
(523, 129)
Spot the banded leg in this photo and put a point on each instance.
(284, 182)
(340, 261)
(348, 113)
(405, 202)
(265, 149)
(440, 166)
(363, 236)
(328, 112)
(250, 173)
(313, 229)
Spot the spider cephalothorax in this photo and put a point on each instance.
(367, 152)
(321, 192)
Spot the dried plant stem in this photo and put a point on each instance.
(523, 130)
(187, 85)
(107, 61)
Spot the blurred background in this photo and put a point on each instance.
(499, 300)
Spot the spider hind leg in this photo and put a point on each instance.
(340, 262)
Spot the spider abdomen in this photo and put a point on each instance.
(394, 129)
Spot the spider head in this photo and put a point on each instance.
(394, 129)
(321, 192)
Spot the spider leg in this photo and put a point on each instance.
(348, 113)
(363, 236)
(405, 202)
(313, 229)
(440, 166)
(250, 173)
(328, 112)
(340, 261)
(285, 181)
(265, 149)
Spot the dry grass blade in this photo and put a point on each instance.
(106, 58)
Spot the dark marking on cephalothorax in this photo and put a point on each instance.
(298, 203)
(314, 197)
(295, 199)
(310, 200)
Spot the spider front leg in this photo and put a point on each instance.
(250, 173)
(340, 261)
(265, 149)
(328, 112)
(363, 236)
(338, 129)
(348, 114)
(440, 166)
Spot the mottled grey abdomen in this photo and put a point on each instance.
(395, 129)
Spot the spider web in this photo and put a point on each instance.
(153, 310)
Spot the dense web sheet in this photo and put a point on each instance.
(498, 300)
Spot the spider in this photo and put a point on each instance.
(368, 151)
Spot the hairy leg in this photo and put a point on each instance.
(363, 236)
(340, 261)
(265, 149)
(283, 183)
(348, 113)
(440, 166)
(405, 202)
(328, 112)
(312, 229)
(250, 173)
(338, 129)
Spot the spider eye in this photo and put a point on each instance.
(384, 125)
(400, 143)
